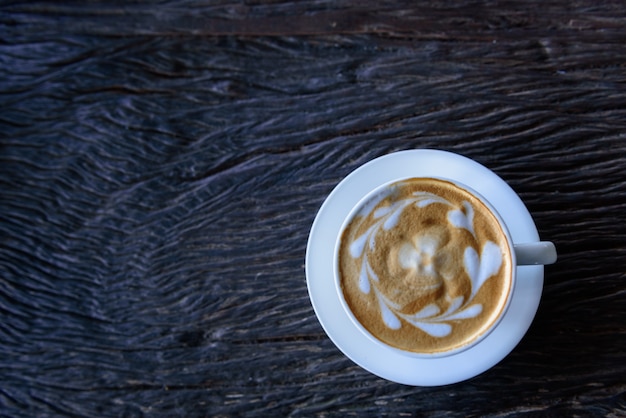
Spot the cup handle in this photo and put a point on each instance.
(534, 253)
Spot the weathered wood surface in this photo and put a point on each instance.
(161, 165)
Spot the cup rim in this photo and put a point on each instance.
(336, 279)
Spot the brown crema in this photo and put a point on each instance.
(425, 266)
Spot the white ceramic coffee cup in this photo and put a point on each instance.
(531, 253)
(378, 358)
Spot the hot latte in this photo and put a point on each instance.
(424, 266)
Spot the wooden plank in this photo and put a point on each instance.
(160, 168)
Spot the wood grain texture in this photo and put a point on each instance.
(161, 166)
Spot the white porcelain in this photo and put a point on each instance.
(388, 362)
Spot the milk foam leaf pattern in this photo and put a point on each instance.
(394, 214)
(436, 329)
(365, 275)
(387, 308)
(454, 306)
(469, 312)
(358, 245)
(370, 271)
(463, 219)
(381, 212)
(426, 312)
(424, 199)
(471, 263)
(479, 268)
(364, 282)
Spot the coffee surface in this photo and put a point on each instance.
(424, 266)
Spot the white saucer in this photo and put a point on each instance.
(388, 363)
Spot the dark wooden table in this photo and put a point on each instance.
(161, 166)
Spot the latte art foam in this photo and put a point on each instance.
(424, 266)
